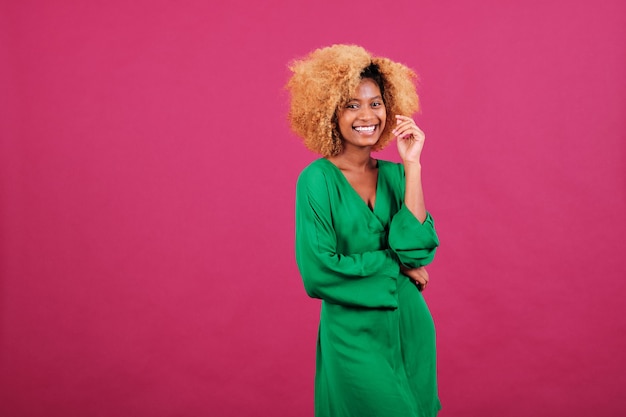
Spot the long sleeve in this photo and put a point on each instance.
(414, 243)
(365, 279)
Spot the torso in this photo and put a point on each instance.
(364, 183)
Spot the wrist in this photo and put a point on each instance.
(410, 166)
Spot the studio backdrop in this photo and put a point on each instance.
(147, 183)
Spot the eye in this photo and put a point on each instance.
(377, 104)
(352, 106)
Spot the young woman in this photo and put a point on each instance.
(363, 235)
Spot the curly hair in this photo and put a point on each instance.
(323, 81)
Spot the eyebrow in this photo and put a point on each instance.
(372, 98)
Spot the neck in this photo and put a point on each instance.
(354, 160)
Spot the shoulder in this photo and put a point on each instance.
(316, 167)
(316, 170)
(315, 175)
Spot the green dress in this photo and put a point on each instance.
(376, 344)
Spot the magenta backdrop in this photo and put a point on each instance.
(147, 181)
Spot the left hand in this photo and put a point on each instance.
(418, 275)
(410, 139)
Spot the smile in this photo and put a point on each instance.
(365, 129)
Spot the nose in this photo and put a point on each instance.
(366, 113)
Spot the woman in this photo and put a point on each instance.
(363, 235)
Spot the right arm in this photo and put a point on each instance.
(366, 279)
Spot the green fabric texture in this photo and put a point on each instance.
(376, 351)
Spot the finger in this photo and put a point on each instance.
(404, 133)
(421, 275)
(420, 287)
(425, 273)
(407, 134)
(426, 282)
(409, 127)
(407, 122)
(406, 129)
(419, 280)
(404, 118)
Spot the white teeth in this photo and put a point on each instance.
(364, 128)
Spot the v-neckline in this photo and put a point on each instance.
(355, 193)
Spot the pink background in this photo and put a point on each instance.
(147, 181)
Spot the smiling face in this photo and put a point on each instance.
(362, 120)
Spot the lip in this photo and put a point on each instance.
(368, 129)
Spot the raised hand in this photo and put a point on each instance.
(410, 139)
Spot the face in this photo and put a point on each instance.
(362, 120)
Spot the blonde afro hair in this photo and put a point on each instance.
(323, 82)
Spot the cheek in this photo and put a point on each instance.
(345, 122)
(341, 124)
(383, 118)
